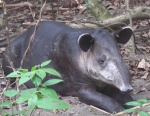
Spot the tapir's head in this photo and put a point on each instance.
(102, 60)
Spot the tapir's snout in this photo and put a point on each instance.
(127, 89)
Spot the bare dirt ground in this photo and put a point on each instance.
(20, 18)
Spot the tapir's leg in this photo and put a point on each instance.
(92, 97)
(122, 98)
(119, 96)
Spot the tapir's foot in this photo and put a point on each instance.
(113, 106)
(119, 96)
(127, 98)
(92, 97)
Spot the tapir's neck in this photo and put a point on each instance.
(83, 62)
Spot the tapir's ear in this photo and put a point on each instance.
(85, 42)
(122, 36)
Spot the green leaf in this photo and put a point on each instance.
(48, 92)
(10, 93)
(51, 71)
(7, 103)
(22, 99)
(3, 114)
(36, 80)
(45, 63)
(39, 95)
(14, 74)
(52, 104)
(52, 82)
(32, 102)
(23, 80)
(28, 92)
(28, 74)
(133, 103)
(142, 113)
(34, 68)
(41, 73)
(130, 111)
(143, 100)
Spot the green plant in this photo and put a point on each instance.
(38, 97)
(139, 110)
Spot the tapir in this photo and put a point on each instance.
(88, 60)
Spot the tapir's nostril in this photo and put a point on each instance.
(128, 90)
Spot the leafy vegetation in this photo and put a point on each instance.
(41, 96)
(139, 103)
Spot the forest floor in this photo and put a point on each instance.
(20, 18)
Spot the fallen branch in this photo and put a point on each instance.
(18, 5)
(136, 14)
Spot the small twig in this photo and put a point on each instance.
(143, 29)
(128, 10)
(32, 112)
(52, 6)
(100, 110)
(32, 36)
(7, 34)
(31, 12)
(138, 57)
(1, 94)
(58, 1)
(9, 47)
(47, 8)
(131, 43)
(137, 107)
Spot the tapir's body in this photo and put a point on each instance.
(88, 60)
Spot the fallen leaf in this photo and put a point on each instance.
(135, 27)
(143, 89)
(111, 7)
(143, 65)
(148, 86)
(144, 23)
(145, 35)
(149, 33)
(147, 2)
(145, 75)
(147, 66)
(80, 7)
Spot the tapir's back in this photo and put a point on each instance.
(45, 34)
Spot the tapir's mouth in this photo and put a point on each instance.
(125, 89)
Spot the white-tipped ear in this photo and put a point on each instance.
(85, 41)
(122, 36)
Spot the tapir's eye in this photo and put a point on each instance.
(100, 61)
